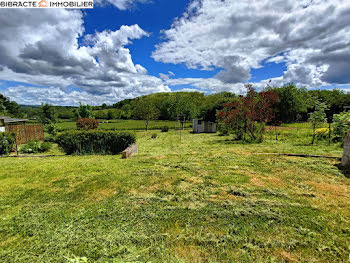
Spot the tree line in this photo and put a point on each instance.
(294, 104)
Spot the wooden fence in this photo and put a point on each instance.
(26, 133)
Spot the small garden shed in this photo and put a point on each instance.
(204, 126)
(5, 121)
(24, 133)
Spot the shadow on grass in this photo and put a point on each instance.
(345, 171)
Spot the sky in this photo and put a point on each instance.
(123, 49)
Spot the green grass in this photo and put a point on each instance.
(203, 199)
(125, 125)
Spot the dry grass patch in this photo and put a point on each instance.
(330, 189)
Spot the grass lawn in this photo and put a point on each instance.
(124, 125)
(205, 199)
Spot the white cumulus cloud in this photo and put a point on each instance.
(311, 36)
(41, 47)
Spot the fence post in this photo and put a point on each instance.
(16, 145)
(25, 132)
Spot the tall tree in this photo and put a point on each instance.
(47, 114)
(84, 112)
(8, 107)
(248, 115)
(292, 103)
(317, 117)
(145, 110)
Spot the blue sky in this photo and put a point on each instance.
(153, 18)
(127, 48)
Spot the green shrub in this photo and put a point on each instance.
(154, 136)
(49, 138)
(45, 147)
(7, 141)
(51, 129)
(165, 129)
(322, 134)
(36, 147)
(341, 125)
(223, 130)
(95, 142)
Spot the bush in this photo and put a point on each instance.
(36, 147)
(322, 134)
(341, 125)
(49, 139)
(7, 141)
(95, 142)
(87, 124)
(45, 147)
(223, 130)
(51, 129)
(165, 129)
(110, 115)
(154, 136)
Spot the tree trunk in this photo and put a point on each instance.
(276, 133)
(313, 134)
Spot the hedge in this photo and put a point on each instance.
(95, 142)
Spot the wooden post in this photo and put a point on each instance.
(346, 155)
(16, 145)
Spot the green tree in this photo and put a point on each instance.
(100, 115)
(84, 112)
(110, 115)
(341, 124)
(8, 107)
(213, 104)
(51, 129)
(145, 110)
(47, 114)
(126, 111)
(292, 103)
(317, 117)
(65, 113)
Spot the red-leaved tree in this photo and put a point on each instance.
(248, 115)
(87, 124)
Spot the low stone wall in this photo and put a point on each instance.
(131, 150)
(346, 155)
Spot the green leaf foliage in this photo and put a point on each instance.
(95, 142)
(47, 114)
(7, 141)
(84, 111)
(36, 147)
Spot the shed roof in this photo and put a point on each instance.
(11, 120)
